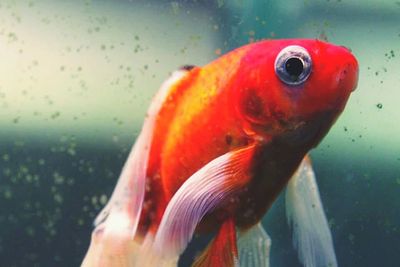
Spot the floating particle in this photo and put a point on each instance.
(30, 231)
(58, 179)
(103, 199)
(16, 120)
(55, 115)
(94, 200)
(58, 198)
(379, 105)
(71, 151)
(8, 194)
(81, 221)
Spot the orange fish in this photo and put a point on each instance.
(218, 145)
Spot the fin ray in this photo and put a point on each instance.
(216, 182)
(116, 224)
(311, 234)
(254, 247)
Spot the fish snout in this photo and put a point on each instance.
(348, 75)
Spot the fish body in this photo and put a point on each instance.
(219, 144)
(219, 108)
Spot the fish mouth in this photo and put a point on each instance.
(347, 78)
(348, 71)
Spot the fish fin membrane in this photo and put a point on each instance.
(311, 234)
(125, 253)
(215, 183)
(254, 246)
(117, 223)
(222, 251)
(148, 257)
(109, 250)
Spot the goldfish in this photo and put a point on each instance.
(218, 145)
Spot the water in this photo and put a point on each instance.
(76, 79)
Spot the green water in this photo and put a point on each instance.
(76, 78)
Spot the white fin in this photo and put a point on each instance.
(216, 182)
(146, 256)
(134, 170)
(254, 246)
(311, 235)
(116, 224)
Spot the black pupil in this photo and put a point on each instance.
(294, 67)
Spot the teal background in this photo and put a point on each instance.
(76, 78)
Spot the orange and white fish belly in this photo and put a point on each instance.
(218, 145)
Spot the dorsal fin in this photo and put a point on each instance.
(116, 225)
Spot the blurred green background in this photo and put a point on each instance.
(76, 78)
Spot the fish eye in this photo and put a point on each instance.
(293, 65)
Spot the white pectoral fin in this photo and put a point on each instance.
(216, 182)
(311, 234)
(254, 246)
(112, 239)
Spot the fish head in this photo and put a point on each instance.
(293, 89)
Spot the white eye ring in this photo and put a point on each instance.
(293, 65)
